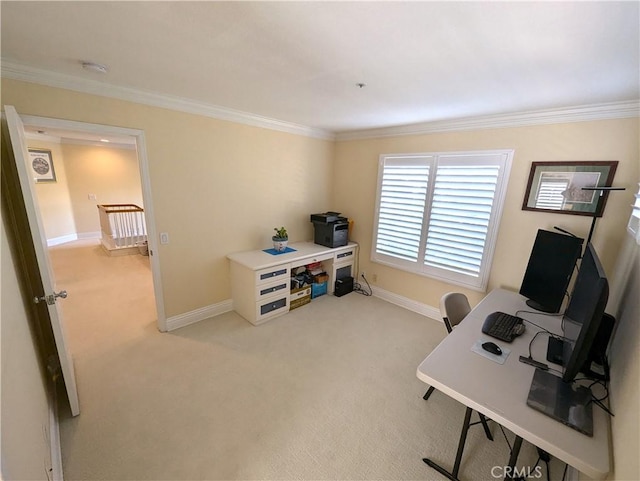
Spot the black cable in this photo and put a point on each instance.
(357, 287)
(557, 336)
(595, 400)
(544, 331)
(505, 438)
(531, 343)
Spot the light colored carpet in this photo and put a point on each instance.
(328, 391)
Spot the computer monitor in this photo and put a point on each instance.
(582, 319)
(562, 399)
(551, 264)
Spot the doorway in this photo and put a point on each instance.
(79, 258)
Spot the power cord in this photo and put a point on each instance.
(359, 288)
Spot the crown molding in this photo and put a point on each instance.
(17, 71)
(584, 113)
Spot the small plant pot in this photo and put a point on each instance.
(279, 244)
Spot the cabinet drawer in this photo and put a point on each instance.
(272, 307)
(318, 258)
(346, 255)
(267, 290)
(276, 273)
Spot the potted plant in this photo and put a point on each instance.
(281, 239)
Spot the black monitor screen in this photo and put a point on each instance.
(584, 313)
(549, 270)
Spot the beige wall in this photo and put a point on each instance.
(217, 187)
(220, 187)
(53, 197)
(24, 406)
(601, 140)
(625, 363)
(111, 174)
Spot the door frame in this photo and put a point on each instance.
(143, 165)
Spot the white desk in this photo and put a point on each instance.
(499, 391)
(260, 282)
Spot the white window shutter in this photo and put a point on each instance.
(402, 197)
(460, 214)
(437, 214)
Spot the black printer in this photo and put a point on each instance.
(330, 229)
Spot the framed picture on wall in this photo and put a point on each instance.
(42, 165)
(569, 187)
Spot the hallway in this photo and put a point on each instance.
(110, 299)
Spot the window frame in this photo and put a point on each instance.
(503, 158)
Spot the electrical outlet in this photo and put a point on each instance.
(164, 238)
(364, 274)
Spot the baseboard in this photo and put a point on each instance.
(198, 315)
(63, 239)
(410, 304)
(181, 320)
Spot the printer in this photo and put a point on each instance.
(330, 229)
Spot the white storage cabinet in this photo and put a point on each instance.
(261, 282)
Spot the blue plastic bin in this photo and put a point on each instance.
(318, 289)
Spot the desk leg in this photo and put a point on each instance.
(463, 439)
(483, 420)
(514, 456)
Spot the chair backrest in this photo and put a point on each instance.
(454, 306)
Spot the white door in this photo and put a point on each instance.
(51, 293)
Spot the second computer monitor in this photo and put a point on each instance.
(551, 264)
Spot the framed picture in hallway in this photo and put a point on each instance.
(42, 165)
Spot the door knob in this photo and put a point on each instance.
(51, 298)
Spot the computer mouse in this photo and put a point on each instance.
(492, 347)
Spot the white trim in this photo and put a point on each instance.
(63, 239)
(143, 162)
(93, 143)
(584, 113)
(57, 474)
(409, 304)
(197, 315)
(581, 113)
(435, 161)
(15, 71)
(152, 236)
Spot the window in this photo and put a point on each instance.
(437, 213)
(634, 220)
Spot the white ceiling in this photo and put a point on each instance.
(299, 62)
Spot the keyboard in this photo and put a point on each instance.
(503, 326)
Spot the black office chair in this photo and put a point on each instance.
(454, 307)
